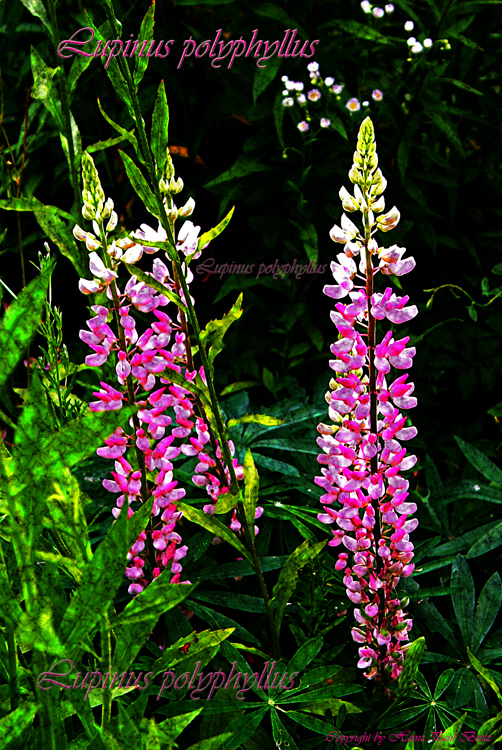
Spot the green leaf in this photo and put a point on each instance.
(19, 324)
(281, 736)
(198, 642)
(101, 579)
(491, 730)
(448, 736)
(13, 725)
(409, 672)
(79, 65)
(462, 85)
(31, 204)
(140, 185)
(443, 681)
(463, 541)
(232, 601)
(443, 123)
(101, 145)
(157, 285)
(42, 76)
(305, 655)
(215, 330)
(215, 231)
(488, 541)
(264, 419)
(480, 461)
(216, 619)
(251, 488)
(135, 623)
(244, 727)
(160, 127)
(58, 232)
(310, 722)
(461, 688)
(119, 83)
(218, 741)
(485, 673)
(126, 134)
(216, 527)
(463, 599)
(242, 168)
(263, 77)
(145, 33)
(238, 568)
(486, 610)
(288, 578)
(273, 465)
(36, 8)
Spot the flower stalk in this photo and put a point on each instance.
(362, 456)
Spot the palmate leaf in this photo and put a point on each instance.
(243, 728)
(19, 324)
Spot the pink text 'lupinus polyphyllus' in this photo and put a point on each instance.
(363, 458)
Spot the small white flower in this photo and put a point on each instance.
(329, 81)
(285, 92)
(303, 126)
(301, 98)
(411, 41)
(365, 5)
(377, 95)
(287, 102)
(313, 67)
(378, 12)
(417, 48)
(284, 79)
(389, 8)
(299, 86)
(325, 123)
(338, 88)
(365, 104)
(409, 26)
(353, 105)
(290, 85)
(314, 95)
(428, 42)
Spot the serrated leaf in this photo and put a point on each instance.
(19, 324)
(216, 527)
(486, 610)
(463, 599)
(160, 128)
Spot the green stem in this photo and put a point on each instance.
(147, 156)
(106, 666)
(11, 645)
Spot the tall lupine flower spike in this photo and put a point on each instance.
(363, 459)
(166, 420)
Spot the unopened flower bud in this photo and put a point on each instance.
(92, 192)
(355, 176)
(379, 183)
(348, 202)
(88, 211)
(175, 186)
(389, 220)
(112, 223)
(379, 205)
(188, 208)
(107, 210)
